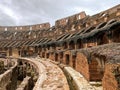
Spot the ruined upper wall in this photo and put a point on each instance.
(112, 10)
(70, 19)
(106, 15)
(81, 21)
(27, 27)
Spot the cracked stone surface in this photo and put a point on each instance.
(54, 76)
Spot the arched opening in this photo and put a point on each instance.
(89, 29)
(53, 46)
(71, 45)
(44, 48)
(61, 57)
(96, 69)
(36, 49)
(111, 22)
(79, 44)
(74, 61)
(65, 46)
(103, 39)
(20, 63)
(56, 57)
(101, 25)
(47, 55)
(24, 53)
(10, 51)
(116, 35)
(40, 48)
(67, 59)
(43, 54)
(48, 47)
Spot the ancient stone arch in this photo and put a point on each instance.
(71, 45)
(96, 68)
(79, 44)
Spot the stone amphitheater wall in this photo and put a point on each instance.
(27, 27)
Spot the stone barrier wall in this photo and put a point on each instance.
(9, 78)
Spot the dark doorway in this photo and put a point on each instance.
(47, 56)
(96, 74)
(74, 61)
(61, 57)
(67, 59)
(65, 45)
(56, 57)
(79, 44)
(43, 54)
(10, 51)
(36, 49)
(71, 45)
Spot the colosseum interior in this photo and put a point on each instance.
(79, 52)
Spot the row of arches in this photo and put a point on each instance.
(100, 39)
(92, 67)
(92, 36)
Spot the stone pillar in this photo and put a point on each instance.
(118, 12)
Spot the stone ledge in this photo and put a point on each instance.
(5, 78)
(41, 71)
(25, 84)
(79, 82)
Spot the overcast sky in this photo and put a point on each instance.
(25, 12)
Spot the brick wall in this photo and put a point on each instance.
(82, 65)
(109, 82)
(64, 57)
(95, 69)
(52, 56)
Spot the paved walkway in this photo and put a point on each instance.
(54, 78)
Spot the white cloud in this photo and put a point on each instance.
(22, 12)
(8, 11)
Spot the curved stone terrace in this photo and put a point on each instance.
(55, 78)
(7, 76)
(40, 74)
(36, 74)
